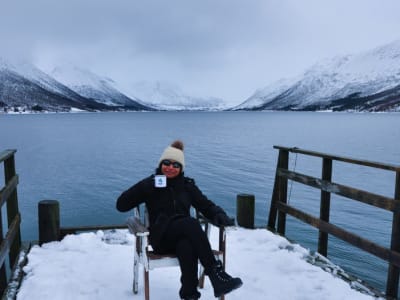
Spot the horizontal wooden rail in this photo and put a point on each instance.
(355, 240)
(8, 189)
(367, 163)
(6, 154)
(376, 200)
(9, 238)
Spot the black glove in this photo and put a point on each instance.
(221, 219)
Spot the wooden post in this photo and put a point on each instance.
(3, 271)
(245, 207)
(49, 221)
(325, 206)
(273, 211)
(12, 209)
(283, 159)
(392, 285)
(282, 190)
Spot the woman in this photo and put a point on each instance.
(168, 196)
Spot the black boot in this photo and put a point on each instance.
(192, 296)
(221, 281)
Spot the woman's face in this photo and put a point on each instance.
(170, 168)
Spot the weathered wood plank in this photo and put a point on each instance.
(325, 204)
(275, 198)
(6, 154)
(8, 189)
(351, 238)
(3, 271)
(392, 285)
(245, 207)
(48, 221)
(282, 190)
(12, 208)
(342, 190)
(367, 163)
(6, 244)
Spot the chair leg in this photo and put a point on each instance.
(135, 273)
(146, 285)
(202, 276)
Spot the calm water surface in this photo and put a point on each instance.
(86, 160)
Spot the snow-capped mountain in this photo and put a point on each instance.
(66, 87)
(366, 81)
(24, 85)
(168, 96)
(93, 86)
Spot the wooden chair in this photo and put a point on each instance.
(138, 225)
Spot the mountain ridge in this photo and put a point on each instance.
(370, 76)
(25, 87)
(366, 81)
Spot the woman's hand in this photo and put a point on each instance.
(221, 219)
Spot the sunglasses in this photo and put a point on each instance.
(168, 163)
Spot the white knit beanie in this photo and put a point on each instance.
(174, 152)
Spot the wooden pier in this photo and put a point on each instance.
(51, 230)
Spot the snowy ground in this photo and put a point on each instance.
(99, 266)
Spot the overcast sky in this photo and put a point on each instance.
(226, 48)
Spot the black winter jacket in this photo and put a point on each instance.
(166, 204)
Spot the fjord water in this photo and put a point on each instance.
(86, 160)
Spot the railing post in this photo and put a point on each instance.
(282, 190)
(3, 272)
(277, 193)
(49, 221)
(392, 284)
(272, 208)
(245, 207)
(12, 208)
(325, 206)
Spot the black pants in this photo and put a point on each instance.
(186, 238)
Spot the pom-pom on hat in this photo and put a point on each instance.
(174, 152)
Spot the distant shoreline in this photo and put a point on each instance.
(191, 111)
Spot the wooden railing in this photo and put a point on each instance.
(280, 208)
(50, 228)
(10, 243)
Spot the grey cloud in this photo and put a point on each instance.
(225, 48)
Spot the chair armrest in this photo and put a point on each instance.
(136, 227)
(203, 220)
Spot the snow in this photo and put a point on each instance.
(269, 92)
(99, 266)
(32, 73)
(169, 96)
(76, 110)
(367, 73)
(90, 85)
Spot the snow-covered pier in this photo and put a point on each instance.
(99, 266)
